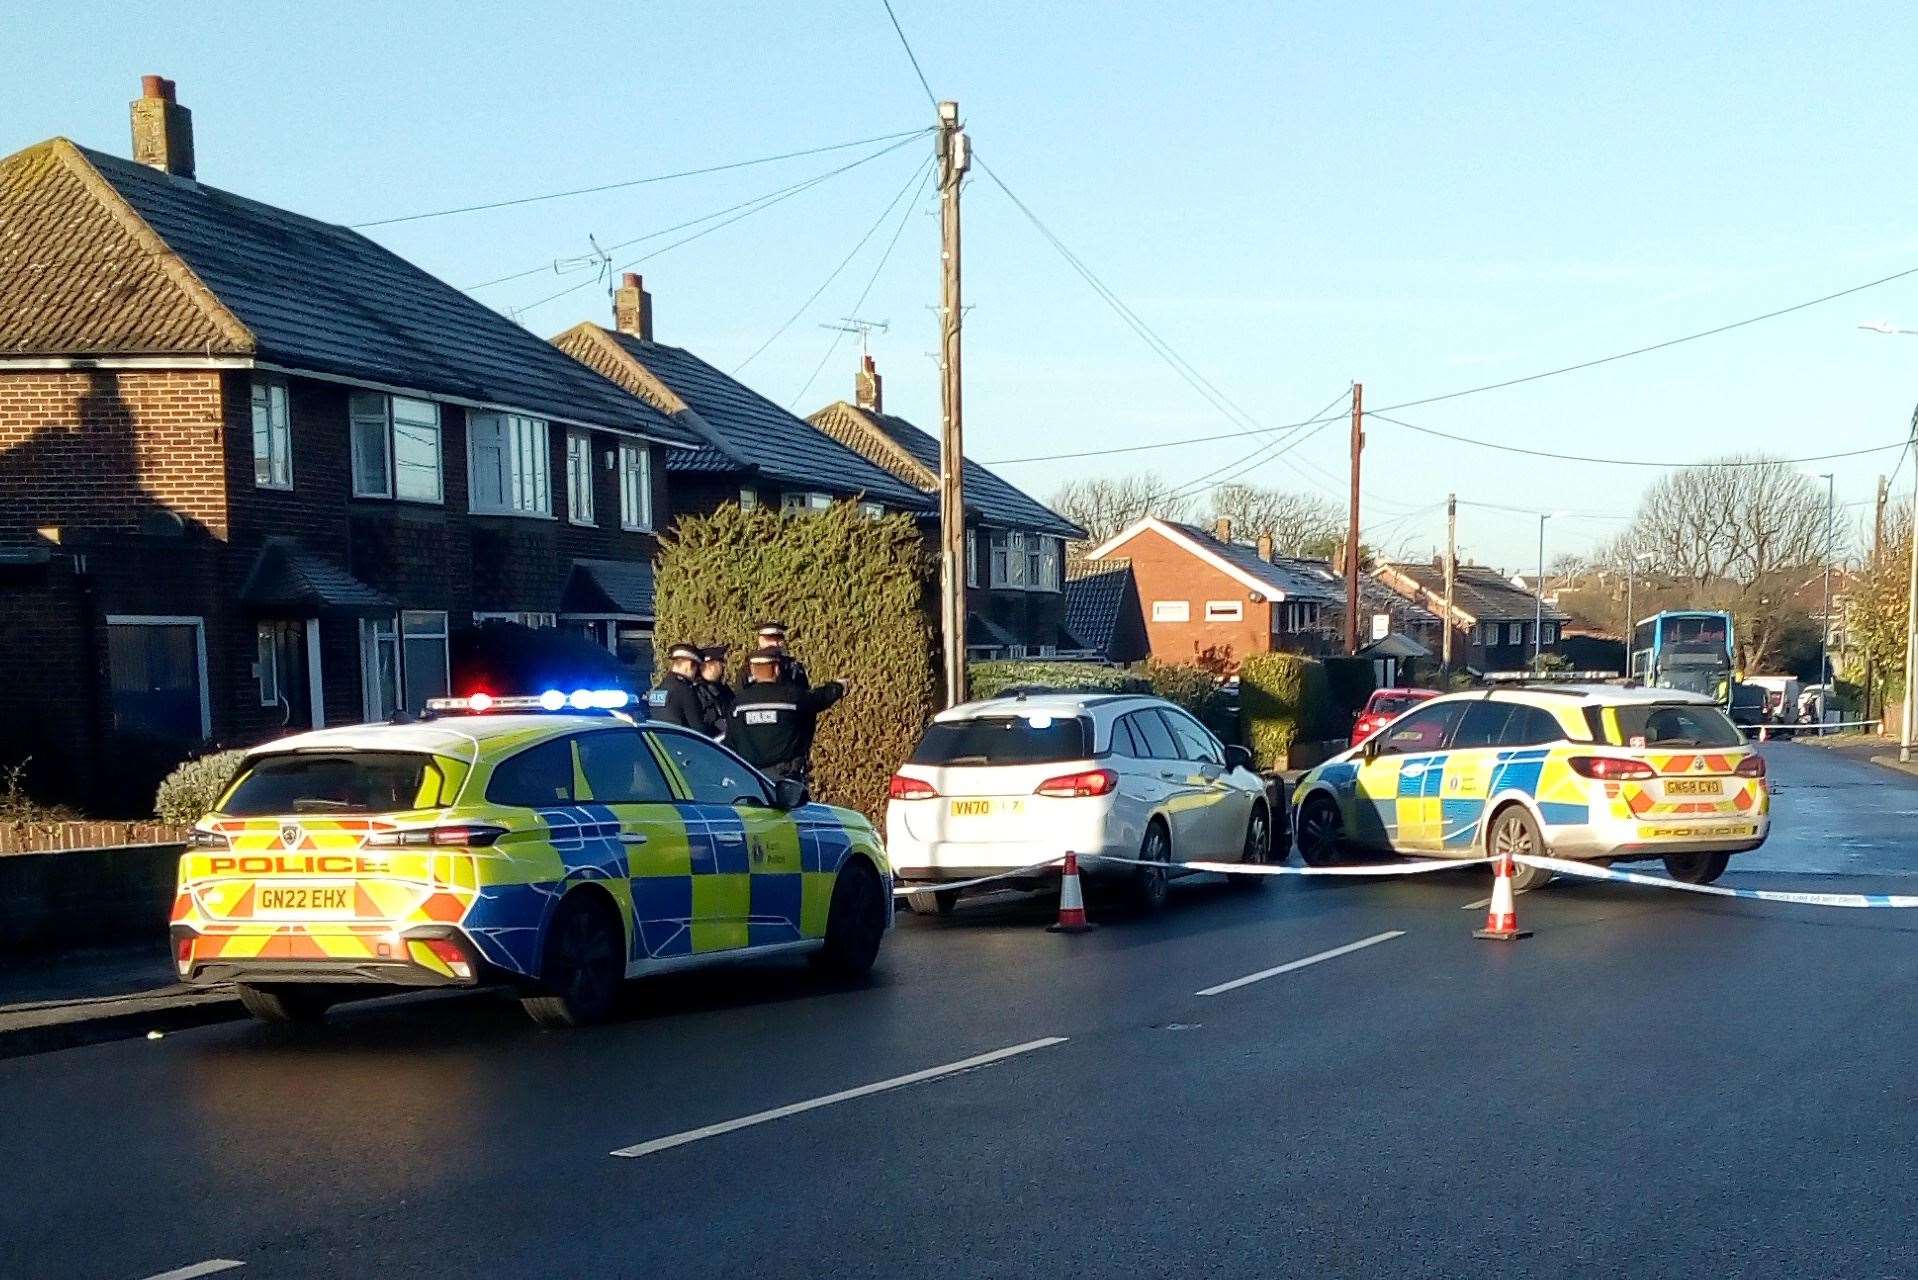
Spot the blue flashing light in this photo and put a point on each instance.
(552, 700)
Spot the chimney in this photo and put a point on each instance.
(868, 388)
(162, 129)
(1223, 529)
(1265, 546)
(1438, 563)
(633, 308)
(1338, 557)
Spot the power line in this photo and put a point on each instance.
(1251, 460)
(917, 178)
(906, 44)
(633, 182)
(1627, 462)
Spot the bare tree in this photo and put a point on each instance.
(1294, 520)
(1103, 505)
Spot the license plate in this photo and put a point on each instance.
(1694, 787)
(985, 808)
(306, 900)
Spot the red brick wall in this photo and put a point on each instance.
(1165, 570)
(104, 449)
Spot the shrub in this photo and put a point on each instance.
(1187, 684)
(1282, 700)
(989, 679)
(191, 790)
(852, 590)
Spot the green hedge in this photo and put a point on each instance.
(989, 679)
(853, 592)
(1283, 699)
(188, 793)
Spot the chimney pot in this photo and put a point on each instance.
(1265, 546)
(1222, 529)
(153, 87)
(868, 388)
(162, 128)
(633, 308)
(630, 279)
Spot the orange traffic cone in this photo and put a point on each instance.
(1501, 918)
(1072, 901)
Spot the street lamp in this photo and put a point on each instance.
(1538, 597)
(1908, 722)
(1632, 560)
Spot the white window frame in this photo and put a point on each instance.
(811, 502)
(872, 510)
(370, 640)
(534, 618)
(636, 487)
(748, 499)
(1051, 564)
(579, 478)
(1550, 633)
(273, 420)
(524, 448)
(999, 563)
(266, 664)
(442, 635)
(972, 557)
(377, 409)
(1035, 561)
(1225, 611)
(1515, 633)
(199, 652)
(1172, 611)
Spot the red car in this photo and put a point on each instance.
(1385, 706)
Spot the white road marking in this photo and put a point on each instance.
(844, 1095)
(1274, 972)
(210, 1267)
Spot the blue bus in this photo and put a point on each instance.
(1688, 649)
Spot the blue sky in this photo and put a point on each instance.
(1422, 198)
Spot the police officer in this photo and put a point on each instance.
(715, 695)
(771, 638)
(676, 698)
(773, 718)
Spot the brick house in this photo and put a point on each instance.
(1015, 545)
(255, 469)
(1493, 622)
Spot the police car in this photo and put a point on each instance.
(1592, 772)
(549, 843)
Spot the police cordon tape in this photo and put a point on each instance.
(907, 888)
(1786, 730)
(1587, 871)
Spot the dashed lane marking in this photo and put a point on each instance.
(1276, 970)
(213, 1266)
(844, 1095)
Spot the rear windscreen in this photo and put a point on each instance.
(1004, 740)
(1394, 705)
(1666, 725)
(342, 782)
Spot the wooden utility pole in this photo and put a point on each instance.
(1352, 524)
(1451, 579)
(1877, 549)
(955, 157)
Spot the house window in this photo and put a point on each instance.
(272, 436)
(1050, 565)
(1515, 633)
(508, 458)
(796, 504)
(424, 657)
(1171, 611)
(972, 557)
(1001, 567)
(379, 667)
(636, 486)
(1035, 563)
(530, 618)
(396, 448)
(1551, 633)
(748, 500)
(156, 668)
(1225, 611)
(871, 510)
(579, 477)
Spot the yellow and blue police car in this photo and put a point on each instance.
(549, 843)
(1588, 772)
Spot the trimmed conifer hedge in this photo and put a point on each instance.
(1283, 699)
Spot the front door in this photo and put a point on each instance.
(285, 682)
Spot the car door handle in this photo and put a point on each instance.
(632, 837)
(729, 837)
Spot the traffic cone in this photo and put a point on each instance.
(1501, 918)
(1072, 901)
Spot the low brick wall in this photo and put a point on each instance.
(45, 837)
(85, 897)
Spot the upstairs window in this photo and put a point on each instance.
(1035, 562)
(872, 510)
(272, 436)
(396, 447)
(509, 458)
(972, 557)
(1001, 560)
(796, 504)
(636, 486)
(1050, 565)
(579, 477)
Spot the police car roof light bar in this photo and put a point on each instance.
(550, 700)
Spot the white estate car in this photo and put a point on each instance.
(1014, 781)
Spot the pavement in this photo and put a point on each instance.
(1322, 1077)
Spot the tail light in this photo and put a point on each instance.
(1093, 782)
(1751, 767)
(449, 954)
(1610, 768)
(903, 787)
(463, 837)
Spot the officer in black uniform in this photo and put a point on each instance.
(771, 638)
(773, 718)
(715, 695)
(675, 699)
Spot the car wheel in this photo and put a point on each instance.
(1321, 829)
(1696, 868)
(1513, 832)
(1151, 883)
(584, 966)
(1258, 848)
(855, 922)
(291, 1003)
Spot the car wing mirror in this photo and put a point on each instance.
(1372, 744)
(790, 793)
(1237, 757)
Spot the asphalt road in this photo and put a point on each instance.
(1654, 1084)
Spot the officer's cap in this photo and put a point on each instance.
(773, 630)
(714, 653)
(679, 651)
(764, 660)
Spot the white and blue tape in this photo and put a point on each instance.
(1587, 871)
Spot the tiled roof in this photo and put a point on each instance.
(1477, 591)
(706, 460)
(1095, 595)
(1374, 596)
(983, 632)
(737, 421)
(609, 586)
(288, 579)
(1293, 585)
(913, 455)
(102, 255)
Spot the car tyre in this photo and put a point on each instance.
(1321, 831)
(584, 968)
(1151, 883)
(1513, 832)
(289, 1004)
(1258, 848)
(855, 922)
(1696, 868)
